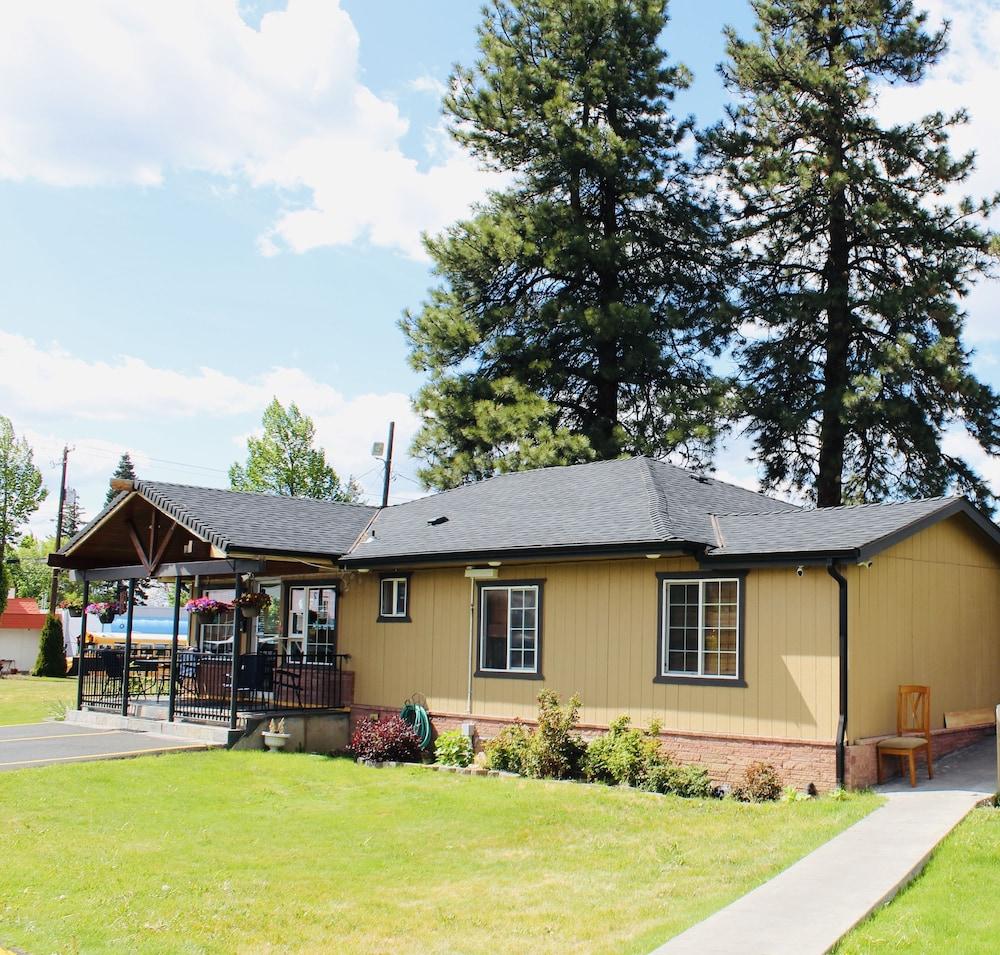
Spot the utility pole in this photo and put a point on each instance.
(388, 465)
(54, 590)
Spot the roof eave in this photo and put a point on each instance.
(626, 549)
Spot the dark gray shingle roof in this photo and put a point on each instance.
(602, 504)
(832, 530)
(234, 520)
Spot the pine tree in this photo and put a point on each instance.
(51, 649)
(125, 471)
(73, 516)
(284, 461)
(579, 306)
(855, 258)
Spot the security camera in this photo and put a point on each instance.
(800, 571)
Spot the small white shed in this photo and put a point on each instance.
(20, 629)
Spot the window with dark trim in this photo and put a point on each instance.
(701, 629)
(510, 629)
(394, 598)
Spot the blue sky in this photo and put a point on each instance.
(203, 204)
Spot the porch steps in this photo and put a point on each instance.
(193, 732)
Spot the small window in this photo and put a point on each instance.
(394, 599)
(509, 629)
(700, 629)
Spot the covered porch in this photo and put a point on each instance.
(238, 661)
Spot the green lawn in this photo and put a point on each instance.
(255, 852)
(28, 699)
(951, 907)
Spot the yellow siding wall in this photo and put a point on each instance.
(599, 638)
(927, 611)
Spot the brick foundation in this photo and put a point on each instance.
(861, 768)
(798, 762)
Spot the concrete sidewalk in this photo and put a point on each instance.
(809, 907)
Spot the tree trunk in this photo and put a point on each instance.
(836, 370)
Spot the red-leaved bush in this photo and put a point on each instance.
(385, 740)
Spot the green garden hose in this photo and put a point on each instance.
(416, 716)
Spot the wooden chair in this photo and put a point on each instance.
(913, 731)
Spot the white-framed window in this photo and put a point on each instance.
(312, 623)
(509, 628)
(701, 628)
(394, 597)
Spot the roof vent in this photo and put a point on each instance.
(438, 520)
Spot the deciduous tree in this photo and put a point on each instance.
(284, 460)
(21, 490)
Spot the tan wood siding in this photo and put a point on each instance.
(927, 611)
(599, 638)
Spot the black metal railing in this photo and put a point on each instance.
(265, 682)
(105, 678)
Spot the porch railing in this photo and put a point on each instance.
(265, 681)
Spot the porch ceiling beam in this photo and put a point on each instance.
(137, 544)
(195, 568)
(162, 549)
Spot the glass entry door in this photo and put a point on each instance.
(312, 623)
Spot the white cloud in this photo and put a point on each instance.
(41, 384)
(125, 93)
(428, 84)
(965, 78)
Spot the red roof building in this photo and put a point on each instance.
(22, 613)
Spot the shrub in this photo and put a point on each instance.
(623, 755)
(553, 751)
(691, 782)
(51, 650)
(388, 739)
(508, 749)
(453, 749)
(760, 783)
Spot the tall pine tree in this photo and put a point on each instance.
(855, 259)
(581, 305)
(124, 471)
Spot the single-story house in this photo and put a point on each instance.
(20, 630)
(749, 628)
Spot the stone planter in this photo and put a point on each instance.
(275, 741)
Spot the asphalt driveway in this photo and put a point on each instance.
(40, 744)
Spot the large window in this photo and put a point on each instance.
(700, 628)
(394, 597)
(509, 629)
(267, 626)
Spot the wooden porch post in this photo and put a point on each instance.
(235, 677)
(128, 645)
(81, 644)
(172, 692)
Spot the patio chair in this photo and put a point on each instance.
(112, 664)
(287, 681)
(913, 731)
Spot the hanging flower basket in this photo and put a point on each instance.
(106, 612)
(252, 603)
(206, 607)
(75, 610)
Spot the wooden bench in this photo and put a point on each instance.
(6, 667)
(960, 719)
